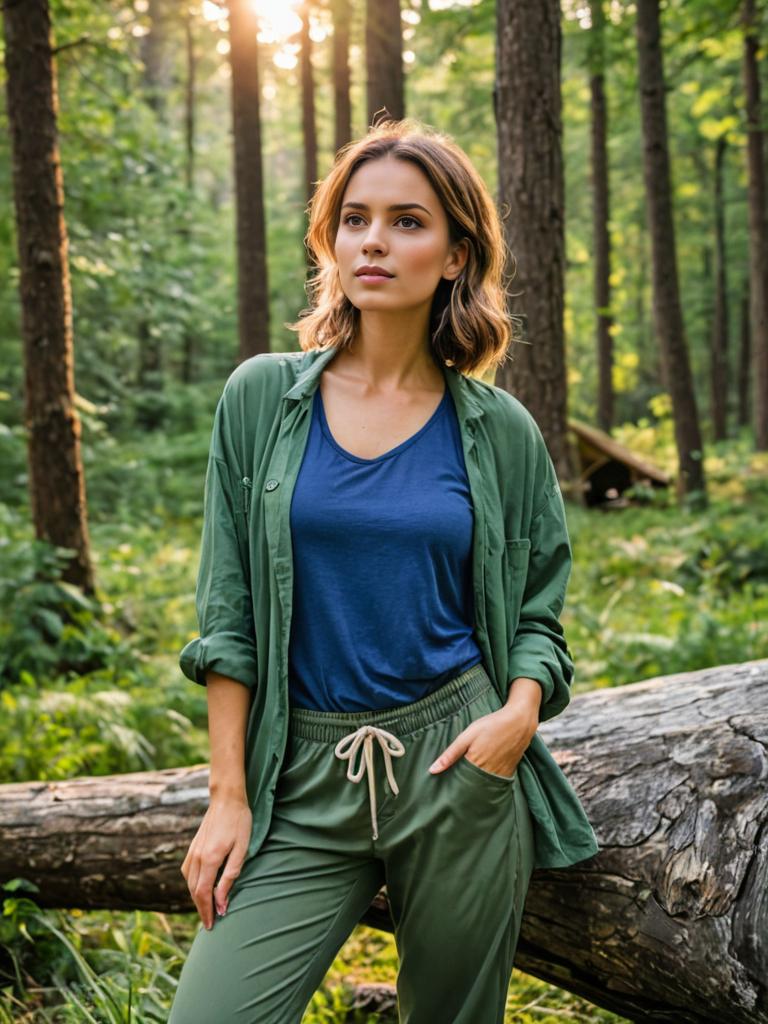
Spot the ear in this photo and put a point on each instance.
(457, 260)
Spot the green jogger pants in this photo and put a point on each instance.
(455, 851)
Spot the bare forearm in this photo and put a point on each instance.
(228, 702)
(524, 699)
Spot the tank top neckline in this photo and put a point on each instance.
(392, 451)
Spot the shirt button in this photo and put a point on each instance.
(272, 484)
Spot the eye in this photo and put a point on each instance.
(406, 216)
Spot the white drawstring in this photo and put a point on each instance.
(391, 746)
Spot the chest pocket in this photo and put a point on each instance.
(517, 553)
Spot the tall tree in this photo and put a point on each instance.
(341, 11)
(190, 103)
(190, 97)
(758, 241)
(252, 283)
(384, 59)
(309, 132)
(600, 215)
(718, 363)
(56, 478)
(531, 193)
(156, 53)
(667, 313)
(745, 358)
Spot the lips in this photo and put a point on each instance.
(372, 272)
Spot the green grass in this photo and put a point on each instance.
(122, 968)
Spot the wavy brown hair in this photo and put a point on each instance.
(469, 325)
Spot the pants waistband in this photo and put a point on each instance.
(331, 726)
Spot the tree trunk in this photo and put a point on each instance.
(718, 365)
(341, 12)
(309, 133)
(745, 358)
(601, 215)
(668, 922)
(252, 284)
(156, 50)
(667, 313)
(190, 98)
(190, 102)
(758, 240)
(56, 477)
(156, 53)
(644, 341)
(384, 60)
(531, 196)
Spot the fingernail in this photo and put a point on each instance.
(437, 765)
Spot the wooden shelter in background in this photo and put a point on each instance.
(607, 468)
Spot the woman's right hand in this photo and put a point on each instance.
(224, 834)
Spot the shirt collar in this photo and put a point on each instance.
(461, 387)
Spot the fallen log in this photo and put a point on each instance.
(668, 922)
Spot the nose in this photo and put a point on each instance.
(372, 242)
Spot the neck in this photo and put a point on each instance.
(390, 358)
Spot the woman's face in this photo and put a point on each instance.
(410, 242)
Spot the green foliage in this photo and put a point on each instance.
(657, 592)
(80, 677)
(68, 967)
(100, 724)
(47, 625)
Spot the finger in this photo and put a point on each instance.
(451, 753)
(193, 870)
(193, 886)
(203, 892)
(186, 864)
(228, 876)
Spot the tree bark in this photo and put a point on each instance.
(252, 284)
(156, 53)
(341, 12)
(718, 364)
(309, 132)
(668, 317)
(669, 921)
(758, 230)
(384, 61)
(531, 199)
(745, 357)
(188, 352)
(56, 477)
(601, 215)
(190, 99)
(156, 50)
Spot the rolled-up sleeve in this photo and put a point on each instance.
(539, 649)
(226, 643)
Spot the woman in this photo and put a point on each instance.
(384, 560)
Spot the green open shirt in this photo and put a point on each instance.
(521, 561)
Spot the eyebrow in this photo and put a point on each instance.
(396, 206)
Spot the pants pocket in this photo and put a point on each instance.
(504, 780)
(486, 705)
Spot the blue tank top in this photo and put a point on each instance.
(383, 601)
